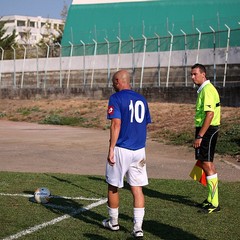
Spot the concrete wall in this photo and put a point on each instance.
(115, 61)
(230, 96)
(40, 78)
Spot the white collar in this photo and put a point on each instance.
(203, 85)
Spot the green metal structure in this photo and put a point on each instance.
(121, 22)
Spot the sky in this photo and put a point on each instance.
(33, 8)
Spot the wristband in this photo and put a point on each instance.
(199, 137)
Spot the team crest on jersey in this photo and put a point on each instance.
(110, 110)
(209, 106)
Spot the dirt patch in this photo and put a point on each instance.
(31, 147)
(167, 118)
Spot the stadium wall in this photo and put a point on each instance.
(229, 95)
(115, 61)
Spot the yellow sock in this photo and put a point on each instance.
(212, 183)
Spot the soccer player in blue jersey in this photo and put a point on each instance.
(129, 115)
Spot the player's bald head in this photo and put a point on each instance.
(121, 80)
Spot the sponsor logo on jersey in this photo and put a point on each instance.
(110, 110)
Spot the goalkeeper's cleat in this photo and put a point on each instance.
(107, 224)
(210, 209)
(204, 204)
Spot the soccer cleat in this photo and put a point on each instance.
(137, 234)
(204, 204)
(106, 223)
(211, 209)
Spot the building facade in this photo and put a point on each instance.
(30, 30)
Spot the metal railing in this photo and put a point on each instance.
(156, 61)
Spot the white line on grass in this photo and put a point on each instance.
(77, 198)
(55, 220)
(30, 195)
(15, 195)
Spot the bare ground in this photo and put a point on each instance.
(30, 147)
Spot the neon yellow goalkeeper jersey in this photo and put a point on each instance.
(207, 100)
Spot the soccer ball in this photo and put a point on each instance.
(42, 195)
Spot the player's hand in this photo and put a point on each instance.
(197, 143)
(110, 157)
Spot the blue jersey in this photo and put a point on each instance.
(132, 109)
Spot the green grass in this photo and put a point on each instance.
(228, 140)
(170, 212)
(28, 110)
(56, 119)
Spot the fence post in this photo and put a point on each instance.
(14, 66)
(119, 52)
(158, 67)
(133, 61)
(45, 67)
(69, 64)
(84, 63)
(214, 55)
(108, 64)
(93, 68)
(143, 60)
(226, 59)
(2, 56)
(169, 59)
(38, 84)
(199, 43)
(24, 58)
(60, 64)
(185, 56)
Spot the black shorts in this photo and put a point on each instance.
(207, 149)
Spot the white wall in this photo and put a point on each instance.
(116, 61)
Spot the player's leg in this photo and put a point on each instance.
(113, 205)
(138, 210)
(208, 168)
(207, 150)
(114, 178)
(137, 177)
(113, 196)
(138, 197)
(212, 182)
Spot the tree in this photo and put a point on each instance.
(6, 41)
(64, 11)
(49, 36)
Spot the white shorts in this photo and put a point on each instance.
(129, 163)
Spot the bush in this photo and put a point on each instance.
(229, 140)
(56, 119)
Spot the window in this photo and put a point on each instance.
(32, 24)
(10, 21)
(61, 27)
(20, 23)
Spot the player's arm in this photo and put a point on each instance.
(114, 133)
(204, 128)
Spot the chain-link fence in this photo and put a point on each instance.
(157, 61)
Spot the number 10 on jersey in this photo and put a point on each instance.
(137, 111)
